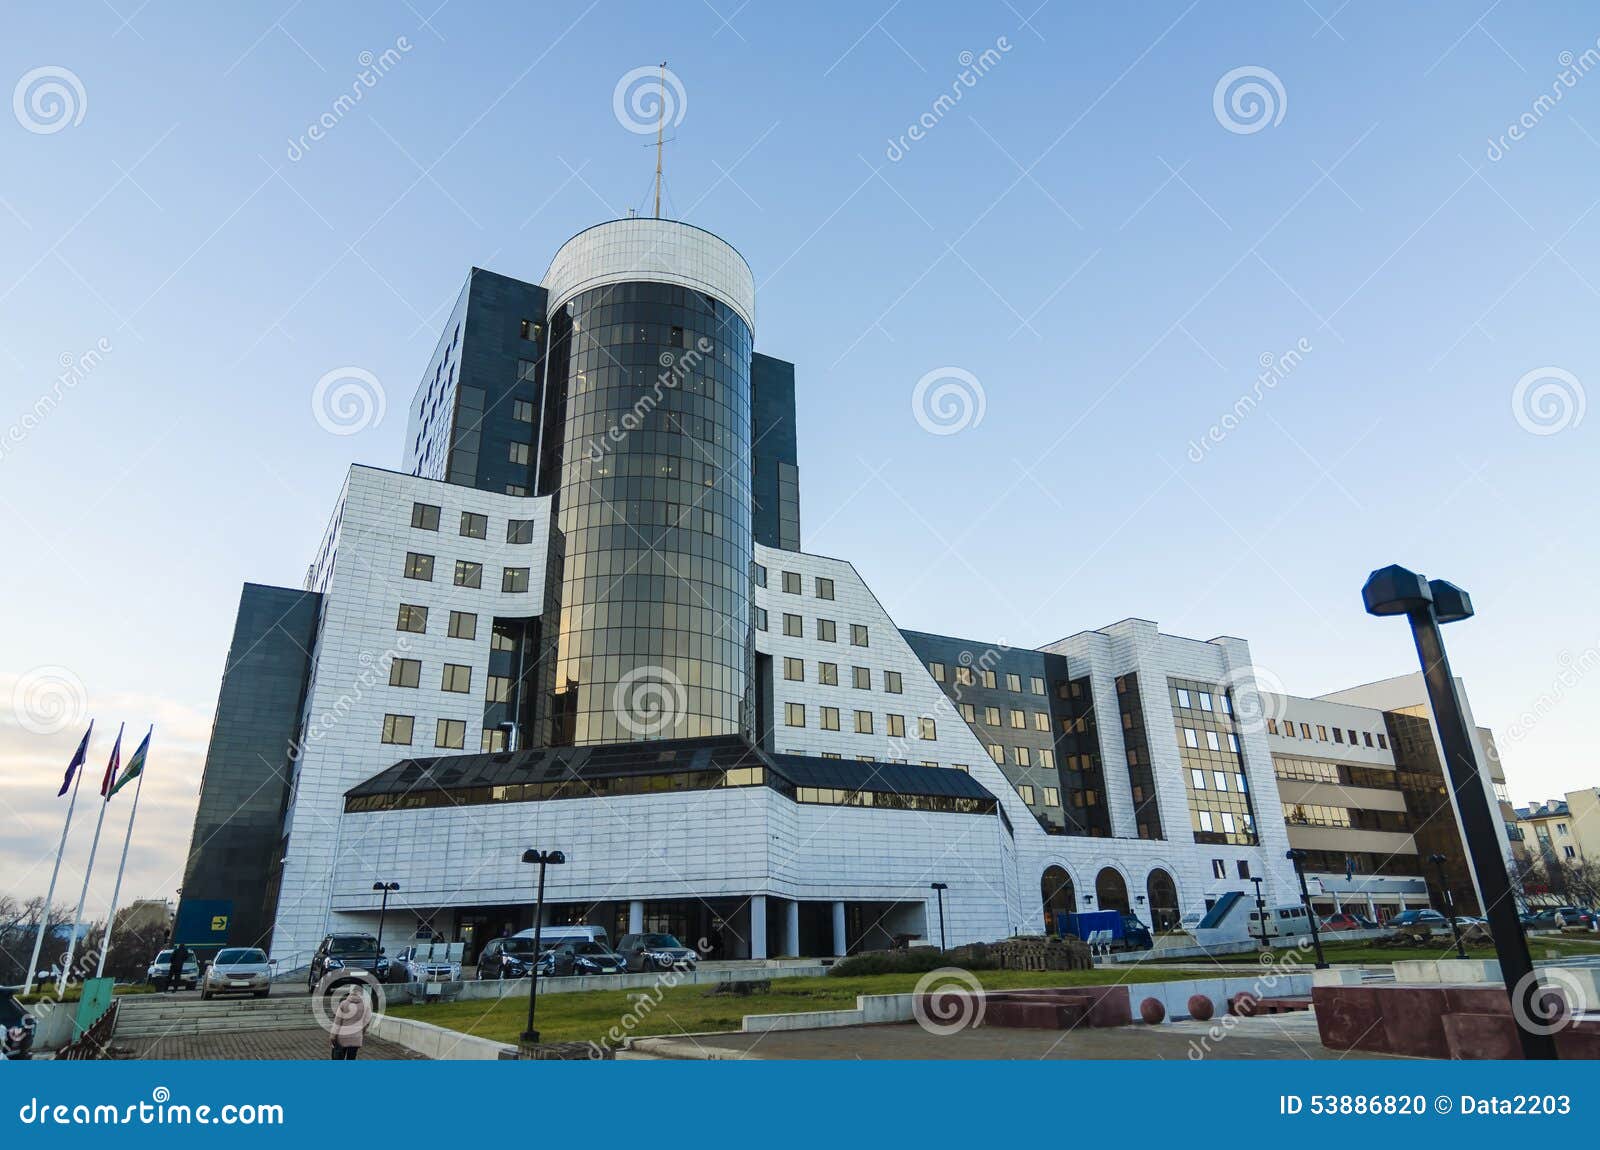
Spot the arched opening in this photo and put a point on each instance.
(1058, 895)
(1110, 892)
(1163, 895)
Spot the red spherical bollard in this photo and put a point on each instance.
(1152, 1010)
(1200, 1008)
(1245, 1003)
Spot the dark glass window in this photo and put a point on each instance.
(405, 673)
(519, 531)
(858, 635)
(463, 625)
(397, 729)
(457, 678)
(419, 566)
(424, 517)
(412, 618)
(450, 735)
(474, 526)
(514, 579)
(468, 574)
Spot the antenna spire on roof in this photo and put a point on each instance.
(661, 122)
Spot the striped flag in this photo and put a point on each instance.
(111, 767)
(77, 760)
(135, 766)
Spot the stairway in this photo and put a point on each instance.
(155, 1015)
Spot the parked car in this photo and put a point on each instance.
(507, 958)
(644, 952)
(346, 952)
(1466, 920)
(238, 970)
(1574, 916)
(589, 958)
(16, 1028)
(1344, 920)
(1416, 918)
(1542, 920)
(160, 970)
(413, 965)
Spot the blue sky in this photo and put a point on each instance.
(1105, 253)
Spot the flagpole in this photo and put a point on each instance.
(111, 916)
(44, 914)
(94, 847)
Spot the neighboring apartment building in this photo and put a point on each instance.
(1559, 833)
(580, 619)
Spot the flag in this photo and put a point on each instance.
(111, 767)
(77, 760)
(135, 766)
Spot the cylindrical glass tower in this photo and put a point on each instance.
(648, 455)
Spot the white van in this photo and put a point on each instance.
(556, 935)
(1289, 920)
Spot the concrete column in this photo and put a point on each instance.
(758, 926)
(636, 916)
(791, 928)
(1372, 910)
(838, 930)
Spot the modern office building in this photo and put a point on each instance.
(580, 618)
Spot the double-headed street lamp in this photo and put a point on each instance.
(544, 859)
(939, 889)
(1298, 857)
(383, 911)
(1439, 860)
(1426, 604)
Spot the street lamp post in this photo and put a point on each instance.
(1298, 857)
(1261, 912)
(383, 911)
(1427, 604)
(544, 859)
(1439, 860)
(939, 888)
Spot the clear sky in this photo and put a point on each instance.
(1101, 239)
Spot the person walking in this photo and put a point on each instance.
(350, 1021)
(180, 955)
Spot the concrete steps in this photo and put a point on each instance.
(153, 1016)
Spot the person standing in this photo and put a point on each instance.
(180, 955)
(350, 1021)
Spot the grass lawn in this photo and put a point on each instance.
(1365, 953)
(588, 1016)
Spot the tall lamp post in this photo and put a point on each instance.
(383, 911)
(1261, 912)
(544, 859)
(1439, 860)
(1427, 604)
(939, 888)
(1298, 857)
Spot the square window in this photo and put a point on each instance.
(397, 729)
(927, 729)
(474, 526)
(825, 631)
(519, 531)
(412, 618)
(1036, 684)
(791, 626)
(861, 678)
(858, 635)
(794, 714)
(1205, 700)
(1183, 698)
(514, 579)
(520, 452)
(501, 639)
(1026, 792)
(1052, 797)
(791, 582)
(988, 680)
(498, 689)
(424, 517)
(522, 410)
(863, 722)
(492, 742)
(419, 566)
(1013, 682)
(828, 674)
(1041, 721)
(457, 678)
(997, 753)
(514, 489)
(830, 718)
(531, 329)
(1205, 825)
(794, 670)
(451, 734)
(897, 725)
(964, 676)
(824, 588)
(405, 673)
(991, 716)
(468, 574)
(937, 671)
(1022, 757)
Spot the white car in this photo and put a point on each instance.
(414, 964)
(160, 970)
(238, 970)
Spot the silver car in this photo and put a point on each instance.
(238, 970)
(159, 972)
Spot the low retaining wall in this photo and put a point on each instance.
(495, 988)
(438, 1042)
